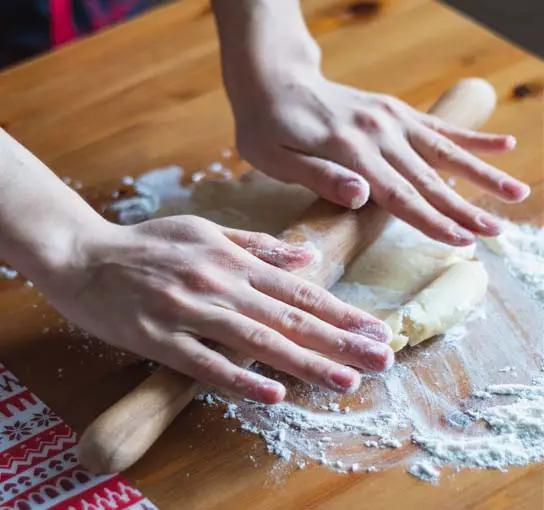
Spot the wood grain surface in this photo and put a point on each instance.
(148, 94)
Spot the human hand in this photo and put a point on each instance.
(342, 143)
(149, 287)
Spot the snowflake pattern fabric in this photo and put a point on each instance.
(39, 469)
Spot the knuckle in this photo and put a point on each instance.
(190, 227)
(259, 338)
(241, 382)
(204, 367)
(350, 321)
(390, 105)
(395, 194)
(258, 241)
(313, 370)
(443, 150)
(427, 180)
(371, 121)
(291, 318)
(307, 296)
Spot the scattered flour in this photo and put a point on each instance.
(128, 180)
(516, 438)
(424, 470)
(8, 273)
(522, 247)
(215, 167)
(154, 188)
(507, 369)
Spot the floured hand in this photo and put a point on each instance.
(148, 288)
(346, 144)
(342, 143)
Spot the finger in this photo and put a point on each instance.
(243, 334)
(326, 178)
(440, 152)
(470, 140)
(187, 355)
(425, 179)
(310, 298)
(271, 250)
(395, 194)
(308, 331)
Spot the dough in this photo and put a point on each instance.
(391, 263)
(441, 305)
(420, 287)
(253, 202)
(389, 279)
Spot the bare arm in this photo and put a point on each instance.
(40, 217)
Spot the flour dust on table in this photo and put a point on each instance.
(472, 398)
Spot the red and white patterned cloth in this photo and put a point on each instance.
(38, 463)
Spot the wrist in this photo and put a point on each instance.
(59, 259)
(44, 225)
(263, 41)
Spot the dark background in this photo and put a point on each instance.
(520, 21)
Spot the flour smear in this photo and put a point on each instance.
(472, 399)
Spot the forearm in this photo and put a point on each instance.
(40, 217)
(260, 39)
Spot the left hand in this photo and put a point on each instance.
(345, 143)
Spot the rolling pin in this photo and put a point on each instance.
(125, 431)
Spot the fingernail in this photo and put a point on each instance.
(272, 392)
(345, 380)
(284, 255)
(291, 252)
(299, 257)
(511, 142)
(297, 251)
(379, 357)
(462, 235)
(489, 224)
(517, 191)
(379, 331)
(353, 193)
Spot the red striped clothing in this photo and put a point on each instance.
(32, 26)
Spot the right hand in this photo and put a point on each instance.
(148, 287)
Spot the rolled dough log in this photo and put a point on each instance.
(441, 305)
(401, 263)
(403, 259)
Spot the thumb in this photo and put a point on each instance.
(270, 250)
(328, 179)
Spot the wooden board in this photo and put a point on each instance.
(149, 94)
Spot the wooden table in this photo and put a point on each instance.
(149, 94)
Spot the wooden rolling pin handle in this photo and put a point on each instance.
(124, 432)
